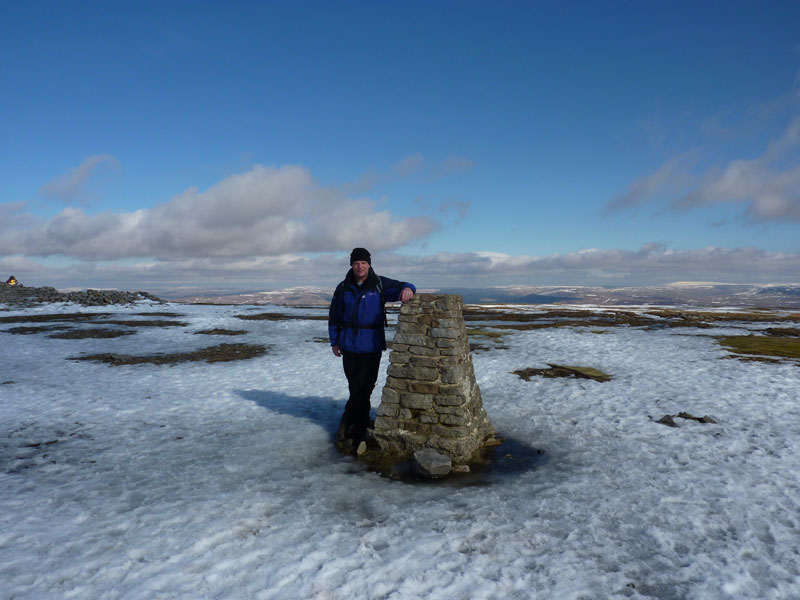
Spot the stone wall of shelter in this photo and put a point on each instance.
(431, 398)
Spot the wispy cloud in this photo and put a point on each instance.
(266, 211)
(371, 178)
(459, 208)
(415, 165)
(70, 186)
(453, 164)
(407, 166)
(768, 186)
(456, 209)
(670, 178)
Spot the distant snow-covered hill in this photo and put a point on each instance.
(674, 294)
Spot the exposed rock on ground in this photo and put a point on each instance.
(669, 420)
(563, 371)
(20, 295)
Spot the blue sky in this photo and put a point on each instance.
(253, 144)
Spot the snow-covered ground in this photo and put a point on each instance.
(221, 481)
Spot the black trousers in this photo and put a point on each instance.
(361, 371)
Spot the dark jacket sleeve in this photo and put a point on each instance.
(334, 316)
(393, 287)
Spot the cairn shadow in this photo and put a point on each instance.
(320, 410)
(510, 459)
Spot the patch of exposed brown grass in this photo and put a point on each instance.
(145, 323)
(221, 332)
(54, 317)
(711, 316)
(219, 353)
(36, 329)
(553, 318)
(99, 333)
(485, 333)
(483, 314)
(281, 317)
(783, 331)
(760, 345)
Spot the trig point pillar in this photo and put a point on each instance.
(431, 398)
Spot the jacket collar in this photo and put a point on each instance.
(370, 282)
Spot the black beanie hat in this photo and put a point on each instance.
(360, 254)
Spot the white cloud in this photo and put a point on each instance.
(652, 264)
(70, 186)
(12, 265)
(13, 216)
(265, 211)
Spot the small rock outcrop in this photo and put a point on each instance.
(431, 399)
(20, 295)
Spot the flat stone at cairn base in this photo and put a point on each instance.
(431, 399)
(432, 463)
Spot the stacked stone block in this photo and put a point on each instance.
(431, 398)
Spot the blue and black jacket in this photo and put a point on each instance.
(356, 316)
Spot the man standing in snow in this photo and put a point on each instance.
(356, 323)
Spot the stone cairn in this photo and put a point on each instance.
(431, 403)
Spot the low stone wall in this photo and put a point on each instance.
(431, 398)
(20, 295)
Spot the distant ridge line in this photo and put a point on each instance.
(774, 295)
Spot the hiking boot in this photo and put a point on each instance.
(359, 434)
(341, 433)
(345, 446)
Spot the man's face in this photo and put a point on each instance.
(360, 270)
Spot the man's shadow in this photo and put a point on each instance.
(325, 412)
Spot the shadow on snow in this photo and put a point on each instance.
(512, 458)
(320, 410)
